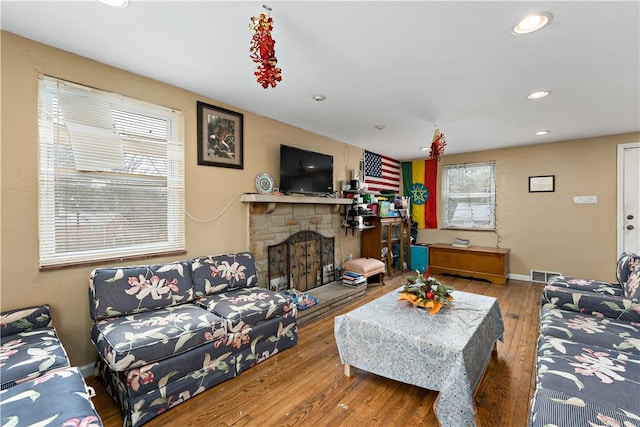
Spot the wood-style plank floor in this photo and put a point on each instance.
(306, 386)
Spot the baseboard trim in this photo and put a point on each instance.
(86, 370)
(519, 277)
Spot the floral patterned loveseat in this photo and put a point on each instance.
(165, 333)
(588, 355)
(38, 386)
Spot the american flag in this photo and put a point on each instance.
(381, 173)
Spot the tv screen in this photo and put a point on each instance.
(304, 171)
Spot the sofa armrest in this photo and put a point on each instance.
(24, 319)
(591, 303)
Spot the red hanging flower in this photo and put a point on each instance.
(263, 51)
(438, 144)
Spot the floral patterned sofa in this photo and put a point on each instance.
(588, 353)
(165, 333)
(38, 385)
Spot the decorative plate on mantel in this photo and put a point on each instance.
(265, 183)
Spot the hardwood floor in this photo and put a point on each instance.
(306, 386)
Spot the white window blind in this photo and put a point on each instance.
(111, 180)
(469, 196)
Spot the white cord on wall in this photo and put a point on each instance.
(215, 217)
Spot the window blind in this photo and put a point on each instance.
(469, 195)
(111, 175)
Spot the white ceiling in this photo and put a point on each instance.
(410, 66)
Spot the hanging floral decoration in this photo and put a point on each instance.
(263, 51)
(438, 144)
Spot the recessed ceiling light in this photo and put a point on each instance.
(531, 23)
(539, 94)
(425, 148)
(542, 132)
(116, 3)
(319, 98)
(380, 127)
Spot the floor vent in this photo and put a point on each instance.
(542, 276)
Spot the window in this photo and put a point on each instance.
(111, 180)
(469, 196)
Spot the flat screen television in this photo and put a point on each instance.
(304, 171)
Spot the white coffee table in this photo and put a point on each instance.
(446, 352)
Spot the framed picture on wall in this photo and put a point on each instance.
(220, 137)
(542, 184)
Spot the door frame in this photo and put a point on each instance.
(620, 194)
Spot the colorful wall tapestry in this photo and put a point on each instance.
(381, 173)
(419, 182)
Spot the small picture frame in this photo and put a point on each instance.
(542, 184)
(220, 137)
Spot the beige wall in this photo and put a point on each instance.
(208, 189)
(546, 231)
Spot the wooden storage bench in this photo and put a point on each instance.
(491, 264)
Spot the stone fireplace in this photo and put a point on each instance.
(272, 223)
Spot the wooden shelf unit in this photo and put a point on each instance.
(386, 233)
(491, 264)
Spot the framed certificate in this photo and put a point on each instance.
(542, 184)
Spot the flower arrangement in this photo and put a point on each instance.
(426, 293)
(263, 51)
(438, 144)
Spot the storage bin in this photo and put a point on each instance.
(419, 257)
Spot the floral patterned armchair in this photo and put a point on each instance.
(588, 354)
(38, 385)
(165, 333)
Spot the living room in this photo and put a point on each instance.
(544, 231)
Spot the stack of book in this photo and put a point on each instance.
(460, 243)
(353, 279)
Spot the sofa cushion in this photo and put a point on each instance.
(223, 273)
(627, 262)
(248, 305)
(24, 319)
(140, 339)
(57, 398)
(632, 286)
(586, 285)
(557, 408)
(127, 290)
(28, 355)
(592, 330)
(589, 373)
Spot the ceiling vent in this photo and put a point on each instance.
(541, 276)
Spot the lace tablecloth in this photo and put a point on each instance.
(446, 352)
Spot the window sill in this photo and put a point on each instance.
(110, 260)
(491, 230)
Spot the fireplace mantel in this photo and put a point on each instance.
(268, 202)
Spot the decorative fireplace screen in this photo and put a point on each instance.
(303, 261)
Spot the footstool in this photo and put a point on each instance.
(366, 266)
